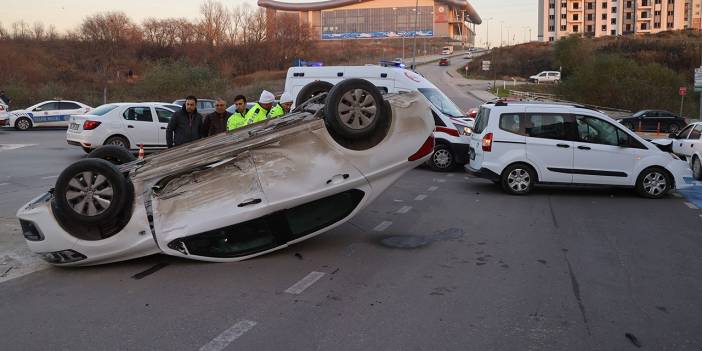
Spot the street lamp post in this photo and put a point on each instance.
(487, 32)
(501, 40)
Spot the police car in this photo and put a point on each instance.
(52, 113)
(4, 115)
(452, 129)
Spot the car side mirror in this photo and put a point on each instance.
(37, 109)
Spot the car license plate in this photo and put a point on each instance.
(75, 126)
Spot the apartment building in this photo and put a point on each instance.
(596, 18)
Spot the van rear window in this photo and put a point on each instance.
(481, 120)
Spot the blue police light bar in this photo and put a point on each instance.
(392, 64)
(301, 63)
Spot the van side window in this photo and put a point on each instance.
(548, 126)
(513, 123)
(481, 120)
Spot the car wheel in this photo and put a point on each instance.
(518, 179)
(354, 108)
(673, 128)
(697, 168)
(23, 123)
(311, 90)
(91, 191)
(118, 141)
(653, 183)
(115, 154)
(442, 159)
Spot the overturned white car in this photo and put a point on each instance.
(239, 194)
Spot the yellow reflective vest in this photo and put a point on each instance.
(276, 112)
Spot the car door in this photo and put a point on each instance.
(692, 142)
(164, 116)
(679, 141)
(46, 115)
(650, 121)
(140, 127)
(604, 153)
(549, 145)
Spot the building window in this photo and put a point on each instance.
(628, 4)
(604, 5)
(589, 17)
(576, 5)
(563, 28)
(613, 32)
(644, 26)
(604, 27)
(551, 28)
(576, 29)
(590, 29)
(644, 14)
(575, 17)
(563, 16)
(613, 21)
(604, 16)
(589, 6)
(614, 10)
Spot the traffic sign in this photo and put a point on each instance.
(682, 91)
(698, 79)
(486, 65)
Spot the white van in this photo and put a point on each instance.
(451, 134)
(447, 50)
(546, 77)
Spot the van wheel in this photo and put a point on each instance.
(23, 123)
(354, 108)
(91, 191)
(697, 168)
(653, 183)
(442, 159)
(115, 154)
(311, 90)
(518, 179)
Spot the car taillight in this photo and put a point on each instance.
(426, 149)
(449, 131)
(487, 142)
(90, 125)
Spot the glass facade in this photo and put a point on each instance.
(377, 23)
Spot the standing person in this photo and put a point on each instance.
(216, 122)
(260, 111)
(283, 106)
(5, 100)
(185, 125)
(238, 120)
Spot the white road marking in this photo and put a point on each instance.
(440, 180)
(420, 197)
(433, 188)
(404, 209)
(50, 177)
(450, 175)
(1, 184)
(691, 206)
(382, 226)
(305, 283)
(7, 147)
(228, 336)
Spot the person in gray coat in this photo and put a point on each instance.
(186, 125)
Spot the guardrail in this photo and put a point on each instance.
(610, 111)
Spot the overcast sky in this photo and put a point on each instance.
(513, 15)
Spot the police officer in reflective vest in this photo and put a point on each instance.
(283, 106)
(238, 120)
(259, 112)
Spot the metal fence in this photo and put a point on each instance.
(532, 96)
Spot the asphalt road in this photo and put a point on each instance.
(439, 262)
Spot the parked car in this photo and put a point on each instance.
(52, 113)
(519, 145)
(546, 77)
(447, 50)
(444, 62)
(235, 195)
(451, 138)
(204, 106)
(128, 125)
(653, 120)
(688, 144)
(4, 115)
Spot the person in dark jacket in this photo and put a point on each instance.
(216, 122)
(6, 100)
(185, 125)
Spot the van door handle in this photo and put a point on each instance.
(584, 147)
(249, 202)
(163, 127)
(338, 179)
(130, 126)
(563, 145)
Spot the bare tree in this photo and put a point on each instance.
(215, 22)
(51, 33)
(20, 30)
(3, 32)
(38, 31)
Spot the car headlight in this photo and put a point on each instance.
(467, 131)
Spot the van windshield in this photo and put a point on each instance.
(441, 101)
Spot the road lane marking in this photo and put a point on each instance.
(7, 147)
(305, 283)
(50, 177)
(420, 197)
(450, 175)
(440, 180)
(433, 188)
(228, 336)
(404, 209)
(1, 184)
(382, 226)
(691, 206)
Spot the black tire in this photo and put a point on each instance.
(518, 179)
(442, 159)
(117, 140)
(87, 150)
(673, 128)
(696, 168)
(81, 181)
(361, 109)
(117, 155)
(23, 123)
(653, 183)
(311, 90)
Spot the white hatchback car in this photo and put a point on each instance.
(521, 144)
(53, 113)
(233, 195)
(124, 124)
(688, 143)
